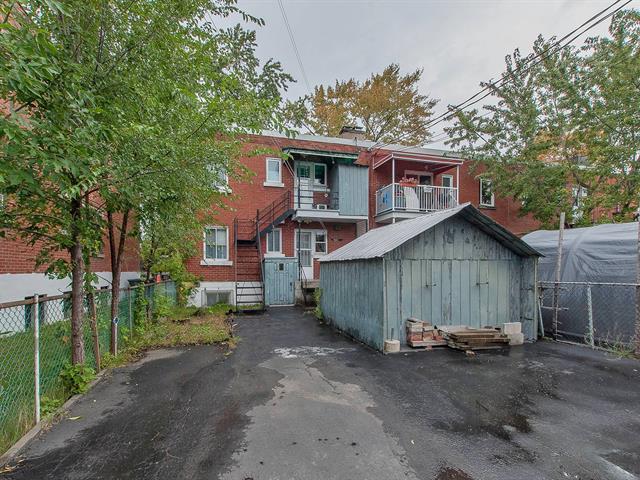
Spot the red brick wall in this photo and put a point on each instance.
(505, 211)
(16, 256)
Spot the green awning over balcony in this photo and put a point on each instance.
(309, 155)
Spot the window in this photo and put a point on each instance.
(274, 241)
(487, 197)
(220, 180)
(579, 195)
(447, 181)
(320, 174)
(321, 243)
(215, 243)
(274, 171)
(217, 297)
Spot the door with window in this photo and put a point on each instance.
(312, 244)
(304, 185)
(279, 279)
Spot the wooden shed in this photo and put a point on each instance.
(451, 267)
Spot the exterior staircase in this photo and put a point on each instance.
(249, 271)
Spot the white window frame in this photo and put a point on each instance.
(215, 261)
(223, 185)
(273, 253)
(315, 243)
(273, 183)
(493, 194)
(450, 177)
(313, 232)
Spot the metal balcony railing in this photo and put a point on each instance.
(416, 198)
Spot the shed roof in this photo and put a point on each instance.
(375, 243)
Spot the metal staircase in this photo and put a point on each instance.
(248, 265)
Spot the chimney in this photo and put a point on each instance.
(352, 132)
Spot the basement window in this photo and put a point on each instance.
(216, 297)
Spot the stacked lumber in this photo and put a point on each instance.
(422, 334)
(476, 339)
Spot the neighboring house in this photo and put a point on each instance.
(19, 278)
(326, 192)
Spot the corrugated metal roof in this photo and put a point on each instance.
(375, 243)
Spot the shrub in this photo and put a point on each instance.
(317, 311)
(76, 378)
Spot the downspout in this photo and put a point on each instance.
(385, 321)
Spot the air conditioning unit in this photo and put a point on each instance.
(322, 207)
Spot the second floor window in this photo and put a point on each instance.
(320, 174)
(220, 177)
(447, 181)
(321, 243)
(487, 197)
(274, 170)
(216, 240)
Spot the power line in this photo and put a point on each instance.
(295, 47)
(524, 68)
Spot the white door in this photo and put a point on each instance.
(304, 186)
(306, 253)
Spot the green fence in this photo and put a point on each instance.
(18, 365)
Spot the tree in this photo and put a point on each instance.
(388, 106)
(109, 103)
(562, 134)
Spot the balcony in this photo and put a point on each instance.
(396, 201)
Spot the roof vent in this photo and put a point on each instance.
(353, 132)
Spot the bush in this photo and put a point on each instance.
(162, 306)
(76, 378)
(317, 311)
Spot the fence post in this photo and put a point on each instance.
(556, 287)
(93, 312)
(130, 312)
(590, 310)
(35, 321)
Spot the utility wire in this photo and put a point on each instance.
(295, 46)
(536, 59)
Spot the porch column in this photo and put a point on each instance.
(393, 170)
(458, 184)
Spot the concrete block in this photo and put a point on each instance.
(516, 338)
(509, 328)
(391, 346)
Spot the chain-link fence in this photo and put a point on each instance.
(35, 345)
(597, 314)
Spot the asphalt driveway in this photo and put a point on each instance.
(297, 401)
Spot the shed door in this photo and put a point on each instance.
(448, 292)
(280, 276)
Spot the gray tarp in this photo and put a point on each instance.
(602, 253)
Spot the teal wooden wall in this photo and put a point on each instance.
(353, 189)
(352, 299)
(455, 274)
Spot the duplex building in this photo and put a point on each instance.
(311, 195)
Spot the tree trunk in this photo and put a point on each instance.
(116, 248)
(77, 289)
(94, 329)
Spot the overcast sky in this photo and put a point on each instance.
(458, 43)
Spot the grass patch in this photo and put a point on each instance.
(181, 326)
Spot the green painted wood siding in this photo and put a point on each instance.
(353, 189)
(352, 299)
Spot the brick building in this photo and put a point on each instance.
(19, 277)
(326, 192)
